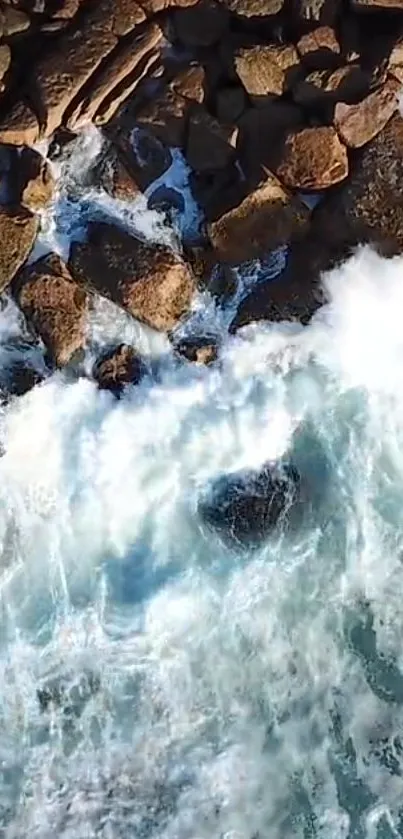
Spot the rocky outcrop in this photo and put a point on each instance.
(151, 282)
(117, 368)
(244, 508)
(313, 159)
(18, 229)
(55, 306)
(359, 123)
(267, 218)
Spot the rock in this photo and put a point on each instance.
(321, 91)
(151, 282)
(359, 123)
(254, 8)
(126, 15)
(207, 146)
(144, 156)
(245, 507)
(166, 117)
(198, 350)
(18, 229)
(231, 103)
(120, 75)
(262, 134)
(5, 61)
(324, 12)
(166, 199)
(18, 378)
(55, 306)
(202, 25)
(151, 66)
(117, 368)
(374, 5)
(218, 191)
(67, 10)
(35, 182)
(110, 173)
(151, 7)
(395, 64)
(319, 49)
(267, 70)
(313, 159)
(15, 21)
(19, 126)
(267, 218)
(190, 83)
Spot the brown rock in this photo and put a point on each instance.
(313, 159)
(117, 74)
(319, 11)
(151, 7)
(198, 350)
(19, 126)
(18, 229)
(358, 124)
(201, 25)
(208, 146)
(395, 65)
(151, 67)
(5, 61)
(150, 281)
(117, 368)
(112, 175)
(166, 118)
(127, 14)
(67, 10)
(35, 180)
(319, 49)
(55, 306)
(254, 8)
(218, 191)
(15, 21)
(144, 156)
(267, 218)
(322, 90)
(262, 134)
(374, 5)
(190, 83)
(265, 70)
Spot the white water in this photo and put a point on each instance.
(204, 693)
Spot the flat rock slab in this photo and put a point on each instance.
(18, 230)
(150, 281)
(359, 123)
(313, 159)
(265, 70)
(267, 218)
(55, 306)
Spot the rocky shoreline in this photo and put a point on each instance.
(270, 102)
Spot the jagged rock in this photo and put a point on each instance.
(319, 11)
(166, 117)
(201, 25)
(144, 156)
(15, 21)
(321, 90)
(117, 368)
(202, 350)
(359, 123)
(126, 15)
(117, 77)
(190, 83)
(245, 507)
(313, 159)
(267, 70)
(55, 306)
(110, 173)
(374, 5)
(18, 229)
(5, 61)
(35, 182)
(218, 191)
(208, 147)
(254, 8)
(19, 126)
(319, 49)
(153, 6)
(231, 103)
(395, 64)
(267, 218)
(262, 134)
(17, 379)
(151, 282)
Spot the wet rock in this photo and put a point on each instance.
(254, 8)
(144, 156)
(317, 11)
(117, 368)
(117, 77)
(201, 25)
(55, 306)
(202, 350)
(166, 117)
(35, 182)
(18, 229)
(19, 126)
(319, 49)
(267, 70)
(110, 173)
(208, 147)
(151, 282)
(244, 508)
(313, 159)
(231, 103)
(17, 379)
(219, 191)
(166, 199)
(267, 218)
(359, 123)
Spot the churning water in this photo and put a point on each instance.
(156, 685)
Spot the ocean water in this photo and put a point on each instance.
(155, 684)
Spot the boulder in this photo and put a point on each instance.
(111, 174)
(321, 90)
(117, 368)
(254, 8)
(190, 83)
(262, 134)
(166, 117)
(150, 281)
(230, 103)
(35, 182)
(17, 379)
(201, 350)
(143, 155)
(267, 70)
(18, 230)
(313, 159)
(319, 49)
(244, 508)
(202, 25)
(316, 11)
(208, 145)
(359, 123)
(377, 5)
(151, 7)
(15, 21)
(218, 191)
(19, 125)
(267, 218)
(55, 306)
(5, 61)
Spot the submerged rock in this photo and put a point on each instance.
(117, 368)
(203, 350)
(245, 507)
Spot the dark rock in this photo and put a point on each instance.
(208, 147)
(219, 191)
(267, 218)
(262, 134)
(166, 199)
(202, 25)
(166, 117)
(313, 159)
(34, 180)
(321, 90)
(55, 306)
(18, 378)
(324, 12)
(267, 70)
(320, 49)
(254, 8)
(190, 83)
(19, 126)
(202, 350)
(150, 281)
(111, 174)
(245, 508)
(18, 229)
(144, 156)
(231, 102)
(118, 368)
(359, 123)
